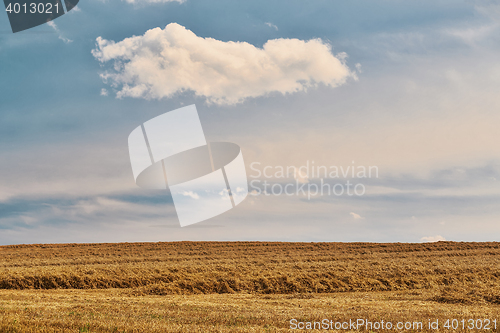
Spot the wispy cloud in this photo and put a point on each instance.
(153, 1)
(191, 194)
(356, 216)
(54, 26)
(270, 25)
(431, 239)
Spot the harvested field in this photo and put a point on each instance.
(114, 310)
(224, 286)
(253, 267)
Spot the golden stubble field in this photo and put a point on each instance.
(247, 286)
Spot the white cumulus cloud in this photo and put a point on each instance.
(429, 239)
(164, 62)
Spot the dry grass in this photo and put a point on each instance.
(241, 287)
(114, 310)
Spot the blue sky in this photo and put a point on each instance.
(421, 103)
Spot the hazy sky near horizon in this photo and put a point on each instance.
(411, 87)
